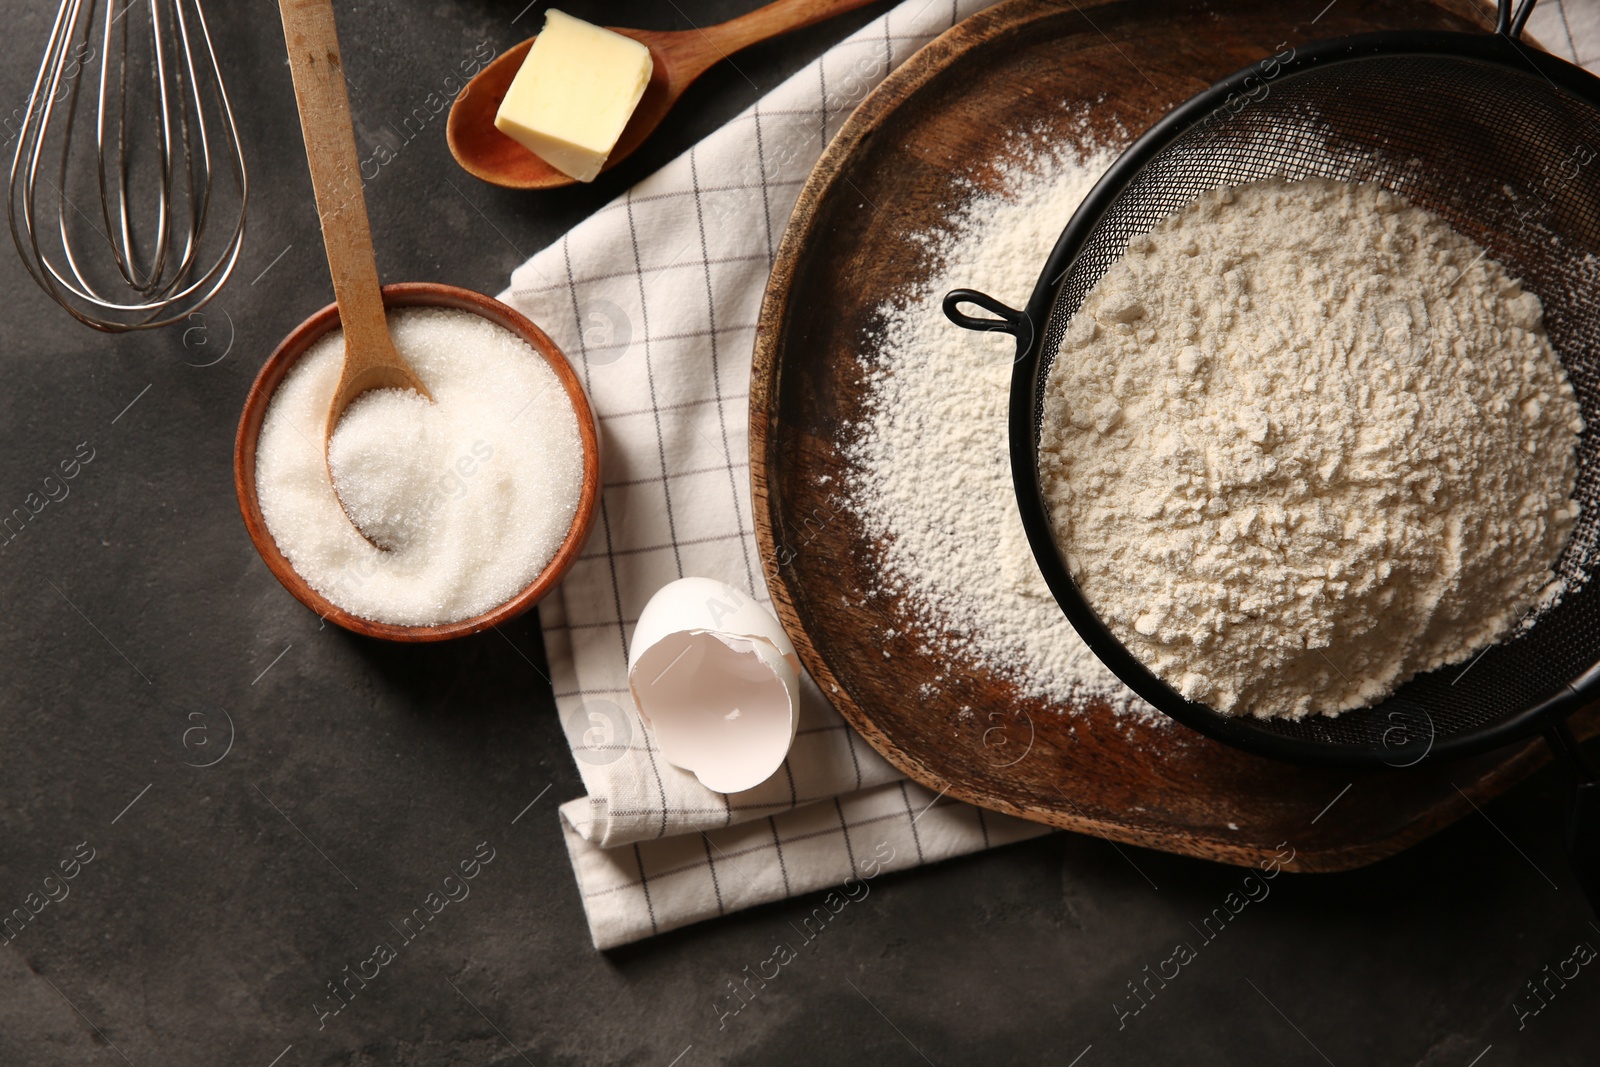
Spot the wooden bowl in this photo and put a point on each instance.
(413, 294)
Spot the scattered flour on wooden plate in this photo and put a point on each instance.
(932, 460)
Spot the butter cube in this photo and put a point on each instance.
(574, 93)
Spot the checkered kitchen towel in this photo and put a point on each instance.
(657, 296)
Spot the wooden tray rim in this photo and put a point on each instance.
(901, 85)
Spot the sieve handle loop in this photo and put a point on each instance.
(1583, 840)
(1583, 821)
(1508, 23)
(1010, 319)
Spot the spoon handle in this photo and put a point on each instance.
(319, 90)
(782, 16)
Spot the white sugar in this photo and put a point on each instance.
(384, 456)
(468, 497)
(933, 464)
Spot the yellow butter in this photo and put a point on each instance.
(574, 93)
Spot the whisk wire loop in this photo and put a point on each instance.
(156, 250)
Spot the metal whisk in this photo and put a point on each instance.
(140, 224)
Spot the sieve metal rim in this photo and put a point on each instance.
(1028, 326)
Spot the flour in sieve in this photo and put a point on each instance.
(933, 474)
(1304, 441)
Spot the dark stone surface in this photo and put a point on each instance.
(217, 908)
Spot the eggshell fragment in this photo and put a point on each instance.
(717, 682)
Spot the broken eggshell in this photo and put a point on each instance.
(717, 682)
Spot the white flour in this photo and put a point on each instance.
(1304, 441)
(934, 474)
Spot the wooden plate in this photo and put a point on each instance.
(977, 97)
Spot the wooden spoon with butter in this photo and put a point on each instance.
(371, 360)
(680, 57)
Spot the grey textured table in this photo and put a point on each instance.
(221, 902)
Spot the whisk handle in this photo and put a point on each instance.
(324, 103)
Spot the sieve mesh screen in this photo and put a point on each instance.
(1504, 158)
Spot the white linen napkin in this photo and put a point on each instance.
(655, 298)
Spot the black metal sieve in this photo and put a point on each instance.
(1500, 140)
